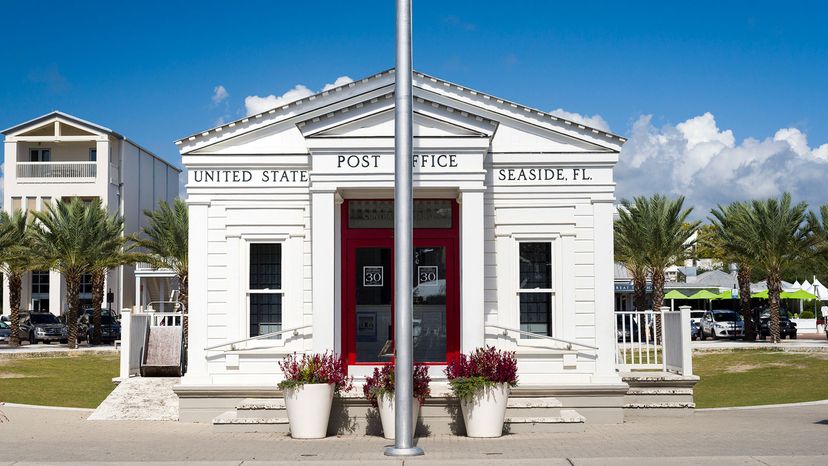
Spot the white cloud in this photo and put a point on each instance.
(219, 94)
(706, 164)
(256, 104)
(595, 121)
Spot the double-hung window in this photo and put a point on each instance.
(264, 292)
(535, 287)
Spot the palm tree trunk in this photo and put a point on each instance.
(73, 298)
(774, 289)
(183, 298)
(743, 277)
(658, 300)
(15, 280)
(97, 296)
(639, 290)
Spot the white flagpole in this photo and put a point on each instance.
(403, 242)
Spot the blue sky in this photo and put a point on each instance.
(679, 78)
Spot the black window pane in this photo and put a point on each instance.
(535, 313)
(265, 266)
(265, 313)
(535, 265)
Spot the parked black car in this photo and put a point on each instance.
(786, 327)
(110, 327)
(42, 326)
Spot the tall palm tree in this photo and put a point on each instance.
(728, 223)
(776, 233)
(629, 250)
(113, 251)
(66, 238)
(165, 245)
(16, 258)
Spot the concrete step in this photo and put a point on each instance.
(568, 421)
(252, 408)
(230, 422)
(545, 402)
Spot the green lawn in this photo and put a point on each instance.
(81, 381)
(758, 377)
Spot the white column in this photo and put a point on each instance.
(322, 259)
(604, 293)
(197, 311)
(686, 342)
(56, 295)
(472, 319)
(138, 301)
(126, 329)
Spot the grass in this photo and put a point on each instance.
(759, 377)
(81, 381)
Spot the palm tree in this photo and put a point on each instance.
(664, 235)
(775, 234)
(728, 223)
(165, 245)
(66, 238)
(629, 250)
(112, 252)
(16, 258)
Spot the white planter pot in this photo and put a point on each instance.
(308, 408)
(485, 412)
(385, 406)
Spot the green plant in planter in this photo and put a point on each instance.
(315, 368)
(485, 367)
(381, 383)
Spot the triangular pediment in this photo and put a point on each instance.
(57, 124)
(381, 124)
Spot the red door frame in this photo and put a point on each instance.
(352, 238)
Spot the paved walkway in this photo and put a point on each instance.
(140, 398)
(789, 435)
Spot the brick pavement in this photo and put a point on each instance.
(768, 436)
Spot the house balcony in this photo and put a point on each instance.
(57, 171)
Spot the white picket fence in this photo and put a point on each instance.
(637, 345)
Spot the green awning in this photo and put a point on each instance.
(726, 294)
(704, 294)
(675, 294)
(760, 294)
(798, 294)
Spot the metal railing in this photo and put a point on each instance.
(232, 344)
(57, 169)
(568, 343)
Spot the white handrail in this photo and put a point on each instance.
(259, 337)
(538, 335)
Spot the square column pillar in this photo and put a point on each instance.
(197, 307)
(472, 319)
(604, 292)
(323, 262)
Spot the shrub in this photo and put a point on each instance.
(382, 383)
(315, 368)
(485, 367)
(806, 315)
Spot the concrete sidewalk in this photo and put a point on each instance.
(788, 435)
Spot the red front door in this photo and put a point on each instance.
(368, 284)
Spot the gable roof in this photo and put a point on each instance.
(504, 106)
(58, 113)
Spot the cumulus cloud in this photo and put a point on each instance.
(594, 121)
(256, 104)
(709, 166)
(219, 94)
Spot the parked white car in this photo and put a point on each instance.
(722, 324)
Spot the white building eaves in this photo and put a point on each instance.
(422, 81)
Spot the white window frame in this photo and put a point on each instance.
(40, 151)
(278, 341)
(553, 325)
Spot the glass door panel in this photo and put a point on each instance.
(373, 317)
(429, 299)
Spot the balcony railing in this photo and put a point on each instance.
(58, 170)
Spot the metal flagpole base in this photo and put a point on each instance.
(394, 451)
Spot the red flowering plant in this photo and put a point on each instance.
(315, 368)
(485, 367)
(382, 383)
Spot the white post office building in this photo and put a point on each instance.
(291, 229)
